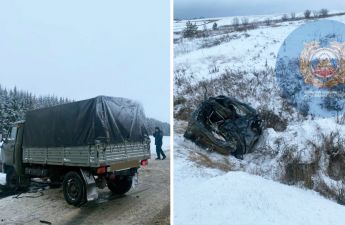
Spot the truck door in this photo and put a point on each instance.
(8, 146)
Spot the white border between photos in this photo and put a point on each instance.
(171, 116)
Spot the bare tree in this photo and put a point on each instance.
(307, 14)
(324, 12)
(315, 13)
(293, 15)
(255, 24)
(284, 17)
(267, 21)
(236, 22)
(245, 22)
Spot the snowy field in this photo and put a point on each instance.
(206, 188)
(249, 50)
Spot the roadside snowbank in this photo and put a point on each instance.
(241, 198)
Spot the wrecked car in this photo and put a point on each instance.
(225, 124)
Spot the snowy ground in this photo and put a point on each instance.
(206, 188)
(241, 198)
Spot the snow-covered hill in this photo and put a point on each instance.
(247, 51)
(294, 149)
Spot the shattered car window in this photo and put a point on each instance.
(238, 111)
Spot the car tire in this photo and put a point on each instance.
(74, 189)
(12, 180)
(121, 186)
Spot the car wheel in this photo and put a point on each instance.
(12, 179)
(121, 186)
(74, 189)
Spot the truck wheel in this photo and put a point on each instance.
(121, 186)
(12, 179)
(73, 189)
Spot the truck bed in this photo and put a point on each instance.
(88, 156)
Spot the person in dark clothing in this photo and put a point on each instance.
(158, 134)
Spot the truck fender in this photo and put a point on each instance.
(90, 183)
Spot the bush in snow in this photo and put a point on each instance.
(236, 23)
(190, 30)
(245, 22)
(215, 26)
(293, 15)
(315, 13)
(307, 14)
(284, 17)
(323, 12)
(267, 21)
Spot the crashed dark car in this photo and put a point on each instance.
(225, 124)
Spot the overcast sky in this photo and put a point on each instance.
(184, 9)
(82, 49)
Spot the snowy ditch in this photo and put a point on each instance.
(210, 185)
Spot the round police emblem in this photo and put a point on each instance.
(322, 66)
(310, 68)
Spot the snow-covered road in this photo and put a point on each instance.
(147, 203)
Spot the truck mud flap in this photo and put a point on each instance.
(91, 187)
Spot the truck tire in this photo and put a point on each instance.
(12, 179)
(74, 189)
(121, 186)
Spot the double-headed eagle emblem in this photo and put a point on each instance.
(323, 67)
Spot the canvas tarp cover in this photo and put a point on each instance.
(97, 120)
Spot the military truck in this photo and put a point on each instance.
(84, 145)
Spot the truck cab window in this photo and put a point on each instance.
(12, 134)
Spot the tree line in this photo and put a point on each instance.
(243, 24)
(152, 123)
(15, 103)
